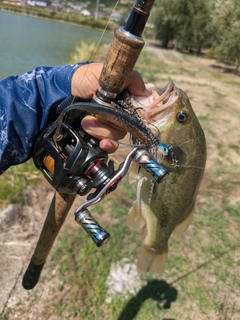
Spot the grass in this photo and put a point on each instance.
(14, 182)
(87, 50)
(83, 265)
(202, 279)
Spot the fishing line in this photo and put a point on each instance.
(194, 167)
(185, 142)
(98, 44)
(132, 145)
(105, 29)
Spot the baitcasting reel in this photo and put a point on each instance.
(74, 163)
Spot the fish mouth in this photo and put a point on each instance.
(157, 106)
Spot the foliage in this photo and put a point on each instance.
(84, 51)
(165, 26)
(195, 25)
(192, 25)
(14, 182)
(89, 50)
(226, 22)
(187, 22)
(229, 48)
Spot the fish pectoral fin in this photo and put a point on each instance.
(133, 172)
(134, 218)
(150, 261)
(182, 227)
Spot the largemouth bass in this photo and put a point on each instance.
(166, 208)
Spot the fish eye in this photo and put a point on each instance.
(182, 116)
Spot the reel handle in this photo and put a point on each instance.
(93, 229)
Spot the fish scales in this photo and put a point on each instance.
(171, 204)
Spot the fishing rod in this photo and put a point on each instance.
(124, 52)
(72, 161)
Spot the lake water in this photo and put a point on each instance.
(27, 42)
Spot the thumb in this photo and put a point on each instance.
(135, 85)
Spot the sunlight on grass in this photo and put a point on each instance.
(83, 265)
(14, 182)
(86, 50)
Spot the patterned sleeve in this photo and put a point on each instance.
(27, 102)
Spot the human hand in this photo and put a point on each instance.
(85, 85)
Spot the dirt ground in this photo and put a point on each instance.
(20, 225)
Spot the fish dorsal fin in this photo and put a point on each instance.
(182, 227)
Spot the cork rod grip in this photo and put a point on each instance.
(125, 48)
(121, 58)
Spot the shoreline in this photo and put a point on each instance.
(62, 17)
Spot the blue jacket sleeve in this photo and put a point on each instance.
(26, 103)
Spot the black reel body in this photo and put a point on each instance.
(74, 163)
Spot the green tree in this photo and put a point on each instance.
(165, 28)
(226, 23)
(185, 21)
(195, 31)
